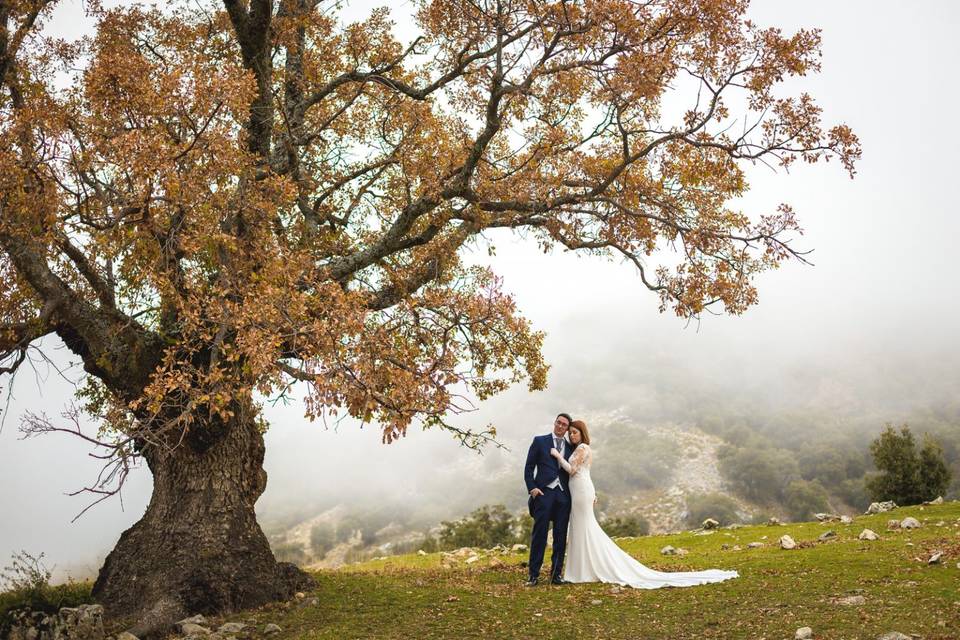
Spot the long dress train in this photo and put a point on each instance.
(593, 557)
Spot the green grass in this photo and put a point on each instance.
(778, 591)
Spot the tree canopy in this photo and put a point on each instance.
(202, 200)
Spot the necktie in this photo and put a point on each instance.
(556, 442)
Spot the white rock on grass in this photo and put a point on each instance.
(937, 500)
(710, 523)
(935, 558)
(846, 519)
(894, 635)
(827, 535)
(910, 523)
(197, 619)
(231, 627)
(786, 542)
(880, 507)
(803, 633)
(126, 635)
(852, 601)
(754, 545)
(271, 628)
(893, 524)
(668, 551)
(867, 534)
(519, 547)
(191, 629)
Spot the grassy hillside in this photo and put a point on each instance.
(778, 591)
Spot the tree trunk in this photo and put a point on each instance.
(198, 547)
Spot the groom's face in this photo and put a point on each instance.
(560, 426)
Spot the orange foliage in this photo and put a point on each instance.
(251, 194)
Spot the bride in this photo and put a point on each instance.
(591, 555)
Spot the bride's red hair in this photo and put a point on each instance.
(581, 426)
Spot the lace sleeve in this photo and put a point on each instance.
(581, 457)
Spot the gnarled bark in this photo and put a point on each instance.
(198, 547)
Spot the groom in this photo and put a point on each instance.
(549, 498)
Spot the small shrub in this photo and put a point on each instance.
(290, 552)
(804, 498)
(721, 508)
(25, 584)
(625, 527)
(323, 537)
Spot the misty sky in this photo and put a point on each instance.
(883, 290)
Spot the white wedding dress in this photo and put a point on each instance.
(593, 557)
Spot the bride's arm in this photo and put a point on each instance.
(576, 460)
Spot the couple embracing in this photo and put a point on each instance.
(557, 474)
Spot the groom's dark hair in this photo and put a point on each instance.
(567, 416)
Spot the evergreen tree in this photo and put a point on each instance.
(907, 477)
(935, 475)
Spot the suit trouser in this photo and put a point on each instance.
(552, 506)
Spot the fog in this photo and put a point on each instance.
(870, 329)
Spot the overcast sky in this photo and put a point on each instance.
(883, 288)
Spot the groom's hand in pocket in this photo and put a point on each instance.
(535, 492)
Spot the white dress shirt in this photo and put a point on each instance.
(556, 481)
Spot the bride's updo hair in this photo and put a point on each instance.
(581, 426)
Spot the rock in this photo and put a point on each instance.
(710, 523)
(935, 558)
(70, 623)
(271, 628)
(191, 629)
(126, 635)
(826, 535)
(299, 595)
(845, 519)
(894, 635)
(786, 542)
(910, 523)
(937, 500)
(736, 547)
(421, 552)
(472, 559)
(867, 534)
(754, 545)
(80, 623)
(774, 521)
(197, 619)
(854, 601)
(724, 546)
(518, 547)
(230, 627)
(595, 602)
(463, 552)
(826, 517)
(682, 552)
(803, 633)
(880, 507)
(893, 524)
(616, 589)
(668, 551)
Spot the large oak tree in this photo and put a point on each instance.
(213, 203)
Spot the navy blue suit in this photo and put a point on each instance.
(553, 506)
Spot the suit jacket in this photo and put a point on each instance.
(542, 468)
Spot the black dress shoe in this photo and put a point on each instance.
(532, 582)
(558, 580)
